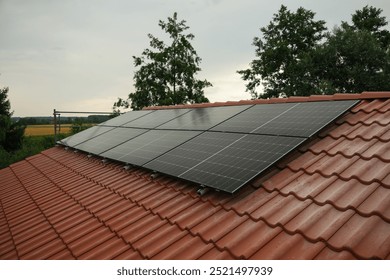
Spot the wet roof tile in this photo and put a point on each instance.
(328, 200)
(328, 254)
(165, 236)
(187, 247)
(249, 237)
(366, 237)
(318, 222)
(285, 246)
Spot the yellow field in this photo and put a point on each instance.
(46, 129)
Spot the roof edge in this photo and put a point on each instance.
(335, 97)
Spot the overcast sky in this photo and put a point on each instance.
(77, 55)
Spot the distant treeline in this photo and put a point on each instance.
(50, 120)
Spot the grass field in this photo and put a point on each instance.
(46, 129)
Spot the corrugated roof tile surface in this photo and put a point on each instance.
(328, 200)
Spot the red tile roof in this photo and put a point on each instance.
(329, 200)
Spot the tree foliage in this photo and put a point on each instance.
(281, 56)
(302, 59)
(166, 74)
(11, 133)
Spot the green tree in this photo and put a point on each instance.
(356, 57)
(369, 19)
(283, 56)
(166, 74)
(11, 133)
(296, 57)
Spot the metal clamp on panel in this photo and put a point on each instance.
(202, 190)
(154, 175)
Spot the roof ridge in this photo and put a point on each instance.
(293, 99)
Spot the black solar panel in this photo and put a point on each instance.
(224, 161)
(106, 141)
(249, 120)
(84, 135)
(305, 119)
(156, 118)
(148, 146)
(218, 147)
(192, 152)
(203, 118)
(125, 118)
(288, 119)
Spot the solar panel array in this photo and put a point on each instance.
(218, 147)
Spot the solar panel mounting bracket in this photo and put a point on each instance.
(127, 167)
(154, 175)
(202, 190)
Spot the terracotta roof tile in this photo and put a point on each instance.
(227, 221)
(187, 247)
(328, 254)
(366, 237)
(110, 249)
(285, 246)
(129, 254)
(318, 222)
(165, 236)
(215, 254)
(328, 200)
(249, 237)
(92, 240)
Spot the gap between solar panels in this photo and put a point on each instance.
(218, 147)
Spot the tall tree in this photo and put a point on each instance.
(167, 71)
(11, 133)
(296, 57)
(282, 59)
(370, 19)
(356, 57)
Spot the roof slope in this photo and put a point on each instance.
(329, 200)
